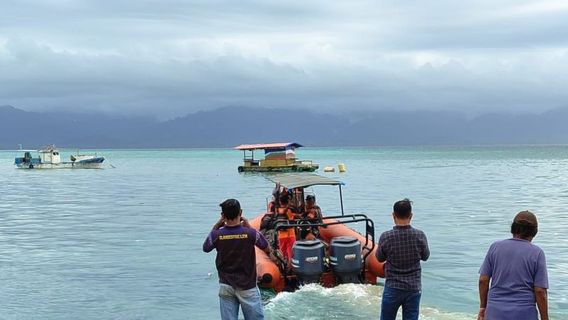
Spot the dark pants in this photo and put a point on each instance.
(394, 298)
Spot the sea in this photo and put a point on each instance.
(125, 242)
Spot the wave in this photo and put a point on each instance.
(347, 301)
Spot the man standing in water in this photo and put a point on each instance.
(235, 240)
(402, 248)
(516, 270)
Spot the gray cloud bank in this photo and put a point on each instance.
(170, 58)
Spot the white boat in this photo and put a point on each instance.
(49, 158)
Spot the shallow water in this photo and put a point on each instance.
(125, 242)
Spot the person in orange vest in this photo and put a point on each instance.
(286, 236)
(312, 213)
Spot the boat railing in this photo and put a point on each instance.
(368, 246)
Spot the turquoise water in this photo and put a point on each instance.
(125, 242)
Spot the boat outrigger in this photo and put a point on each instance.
(278, 157)
(50, 158)
(336, 255)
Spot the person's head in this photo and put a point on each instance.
(402, 209)
(231, 209)
(525, 225)
(310, 199)
(284, 199)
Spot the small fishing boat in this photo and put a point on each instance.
(50, 158)
(278, 157)
(337, 254)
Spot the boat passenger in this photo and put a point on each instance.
(276, 192)
(297, 200)
(312, 214)
(286, 236)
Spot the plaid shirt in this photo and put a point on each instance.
(403, 247)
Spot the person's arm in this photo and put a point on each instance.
(425, 254)
(219, 223)
(209, 243)
(542, 302)
(245, 223)
(380, 254)
(483, 292)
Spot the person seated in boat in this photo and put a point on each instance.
(312, 211)
(273, 204)
(297, 200)
(286, 236)
(312, 214)
(268, 220)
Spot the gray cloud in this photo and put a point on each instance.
(168, 58)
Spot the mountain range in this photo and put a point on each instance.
(229, 126)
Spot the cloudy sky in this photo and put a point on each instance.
(167, 58)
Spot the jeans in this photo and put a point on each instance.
(249, 300)
(394, 298)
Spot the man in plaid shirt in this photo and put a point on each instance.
(402, 248)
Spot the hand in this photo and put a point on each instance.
(245, 223)
(219, 223)
(273, 257)
(481, 314)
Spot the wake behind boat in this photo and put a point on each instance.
(50, 158)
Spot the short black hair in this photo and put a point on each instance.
(310, 197)
(403, 208)
(230, 208)
(284, 198)
(524, 230)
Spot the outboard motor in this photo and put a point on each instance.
(346, 259)
(308, 261)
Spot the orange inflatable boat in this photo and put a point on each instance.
(338, 254)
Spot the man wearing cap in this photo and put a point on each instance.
(235, 240)
(513, 276)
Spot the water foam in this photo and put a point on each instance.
(347, 301)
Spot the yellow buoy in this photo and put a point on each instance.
(341, 167)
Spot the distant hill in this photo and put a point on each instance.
(226, 127)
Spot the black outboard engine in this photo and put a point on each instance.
(346, 259)
(308, 261)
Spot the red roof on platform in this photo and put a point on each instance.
(268, 145)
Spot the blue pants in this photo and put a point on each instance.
(249, 300)
(394, 298)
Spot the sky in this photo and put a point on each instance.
(168, 58)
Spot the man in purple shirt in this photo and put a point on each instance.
(402, 248)
(516, 270)
(235, 240)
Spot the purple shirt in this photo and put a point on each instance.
(515, 267)
(236, 259)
